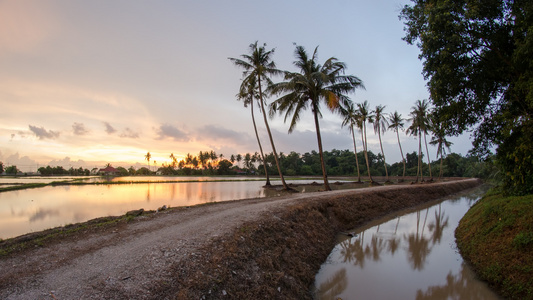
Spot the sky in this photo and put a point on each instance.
(84, 83)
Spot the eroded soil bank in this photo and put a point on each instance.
(249, 249)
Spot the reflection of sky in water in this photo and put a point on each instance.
(36, 209)
(409, 257)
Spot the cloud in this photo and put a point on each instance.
(42, 133)
(128, 133)
(218, 133)
(109, 129)
(169, 131)
(79, 129)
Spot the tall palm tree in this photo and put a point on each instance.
(419, 124)
(247, 95)
(239, 159)
(365, 115)
(351, 118)
(312, 85)
(380, 126)
(439, 139)
(174, 160)
(147, 157)
(258, 66)
(396, 124)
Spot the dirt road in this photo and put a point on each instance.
(126, 261)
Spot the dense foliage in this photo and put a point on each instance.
(478, 57)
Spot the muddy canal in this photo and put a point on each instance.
(410, 256)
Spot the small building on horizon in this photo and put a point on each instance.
(108, 171)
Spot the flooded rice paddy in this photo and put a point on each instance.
(31, 210)
(409, 256)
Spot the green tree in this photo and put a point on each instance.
(12, 170)
(365, 116)
(312, 85)
(477, 59)
(351, 118)
(247, 94)
(258, 67)
(396, 124)
(380, 126)
(2, 167)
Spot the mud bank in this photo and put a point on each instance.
(277, 255)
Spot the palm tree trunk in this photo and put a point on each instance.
(285, 186)
(260, 147)
(356, 159)
(366, 154)
(401, 152)
(321, 153)
(427, 153)
(420, 155)
(440, 171)
(383, 153)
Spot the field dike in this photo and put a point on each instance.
(278, 255)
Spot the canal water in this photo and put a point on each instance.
(409, 256)
(30, 210)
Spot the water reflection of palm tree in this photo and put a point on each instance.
(418, 246)
(438, 227)
(334, 286)
(459, 286)
(352, 250)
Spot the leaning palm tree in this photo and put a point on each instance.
(396, 124)
(351, 117)
(312, 85)
(258, 66)
(439, 139)
(380, 126)
(365, 115)
(247, 94)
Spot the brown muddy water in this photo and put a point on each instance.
(410, 256)
(31, 210)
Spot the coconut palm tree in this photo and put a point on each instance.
(247, 94)
(238, 158)
(439, 139)
(174, 160)
(365, 115)
(351, 118)
(258, 66)
(312, 85)
(380, 126)
(147, 157)
(419, 124)
(396, 124)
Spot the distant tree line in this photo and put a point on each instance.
(337, 163)
(59, 170)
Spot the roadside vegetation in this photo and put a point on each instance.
(496, 237)
(478, 63)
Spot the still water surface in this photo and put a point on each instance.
(31, 210)
(411, 256)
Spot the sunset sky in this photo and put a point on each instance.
(83, 83)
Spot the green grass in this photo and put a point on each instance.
(496, 237)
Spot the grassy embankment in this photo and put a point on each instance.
(496, 237)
